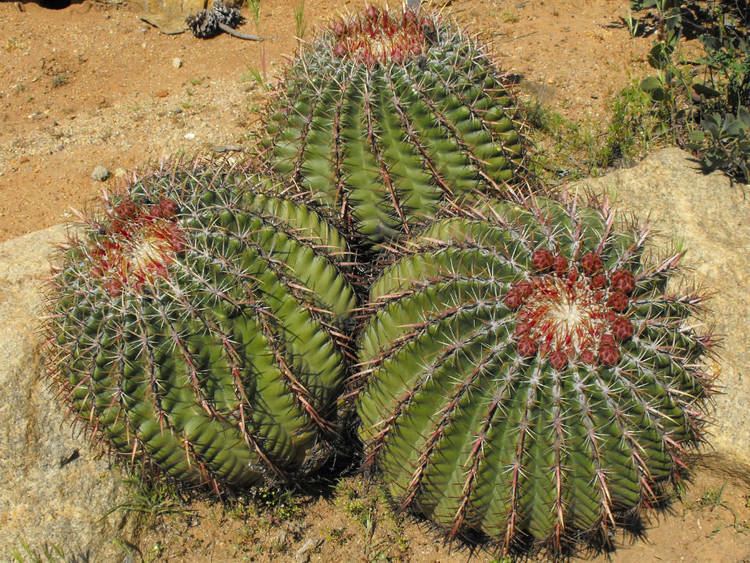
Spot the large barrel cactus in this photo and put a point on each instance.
(528, 376)
(387, 115)
(197, 324)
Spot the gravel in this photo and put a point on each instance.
(100, 174)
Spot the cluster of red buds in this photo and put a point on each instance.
(137, 245)
(378, 36)
(569, 312)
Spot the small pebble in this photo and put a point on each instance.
(120, 172)
(177, 62)
(100, 174)
(190, 136)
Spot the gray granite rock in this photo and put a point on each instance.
(54, 493)
(711, 218)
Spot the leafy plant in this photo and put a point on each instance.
(723, 142)
(704, 103)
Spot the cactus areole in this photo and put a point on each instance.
(528, 376)
(389, 115)
(197, 325)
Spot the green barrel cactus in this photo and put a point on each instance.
(198, 324)
(528, 377)
(388, 115)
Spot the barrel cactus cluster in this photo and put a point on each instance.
(520, 368)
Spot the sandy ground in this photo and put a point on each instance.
(93, 85)
(711, 524)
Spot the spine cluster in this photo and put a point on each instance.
(383, 37)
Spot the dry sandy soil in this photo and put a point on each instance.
(93, 85)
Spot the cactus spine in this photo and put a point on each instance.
(528, 376)
(387, 116)
(198, 324)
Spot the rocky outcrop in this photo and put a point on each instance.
(710, 217)
(55, 493)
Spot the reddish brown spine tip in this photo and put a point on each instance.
(527, 346)
(622, 280)
(618, 301)
(542, 259)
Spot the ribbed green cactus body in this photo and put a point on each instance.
(383, 139)
(197, 325)
(528, 377)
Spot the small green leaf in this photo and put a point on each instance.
(660, 55)
(697, 137)
(705, 91)
(650, 83)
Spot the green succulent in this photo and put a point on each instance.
(387, 116)
(528, 376)
(199, 324)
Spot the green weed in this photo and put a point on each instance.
(255, 76)
(151, 499)
(299, 20)
(48, 553)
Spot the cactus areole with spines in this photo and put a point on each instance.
(526, 375)
(389, 115)
(199, 325)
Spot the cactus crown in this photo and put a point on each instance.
(138, 243)
(200, 323)
(380, 36)
(528, 376)
(574, 312)
(387, 117)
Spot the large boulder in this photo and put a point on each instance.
(710, 216)
(55, 493)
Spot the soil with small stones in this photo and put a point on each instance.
(93, 85)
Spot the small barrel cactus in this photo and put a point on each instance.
(387, 115)
(528, 377)
(197, 324)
